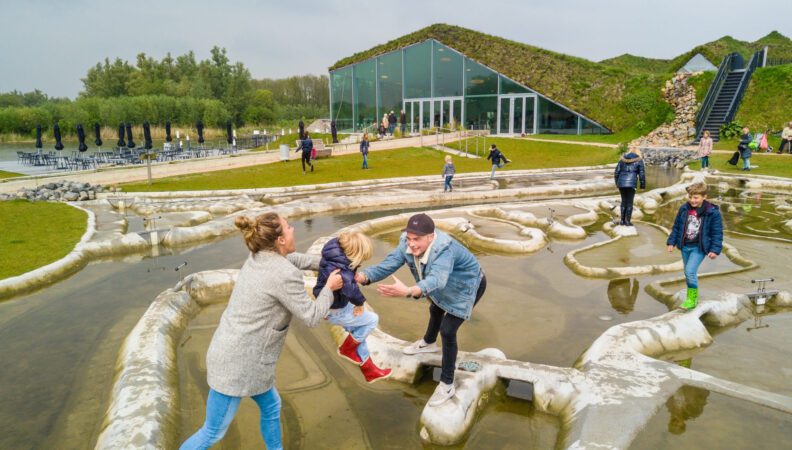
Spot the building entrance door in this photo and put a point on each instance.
(516, 114)
(433, 112)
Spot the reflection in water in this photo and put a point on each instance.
(622, 294)
(686, 403)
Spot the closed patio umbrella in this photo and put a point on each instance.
(168, 137)
(301, 127)
(200, 127)
(147, 136)
(38, 138)
(229, 133)
(57, 133)
(121, 142)
(98, 135)
(130, 142)
(81, 138)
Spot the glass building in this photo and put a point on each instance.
(436, 86)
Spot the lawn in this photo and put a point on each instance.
(383, 164)
(775, 165)
(4, 174)
(35, 234)
(614, 138)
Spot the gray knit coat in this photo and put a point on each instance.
(270, 289)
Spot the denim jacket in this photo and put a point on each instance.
(451, 275)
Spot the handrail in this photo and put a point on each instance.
(712, 94)
(744, 80)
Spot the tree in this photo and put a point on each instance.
(261, 108)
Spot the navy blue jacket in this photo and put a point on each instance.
(306, 145)
(496, 156)
(364, 147)
(711, 237)
(629, 170)
(333, 257)
(745, 151)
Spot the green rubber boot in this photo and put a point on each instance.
(692, 299)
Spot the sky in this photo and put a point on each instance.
(50, 44)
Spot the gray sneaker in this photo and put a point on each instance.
(442, 393)
(420, 346)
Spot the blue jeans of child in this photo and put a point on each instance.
(365, 161)
(447, 186)
(704, 162)
(220, 411)
(359, 327)
(747, 163)
(692, 256)
(492, 174)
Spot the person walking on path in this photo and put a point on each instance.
(629, 171)
(498, 159)
(248, 341)
(746, 141)
(704, 149)
(391, 122)
(306, 146)
(448, 275)
(786, 139)
(364, 149)
(385, 124)
(448, 174)
(402, 122)
(346, 253)
(698, 233)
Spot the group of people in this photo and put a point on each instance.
(747, 145)
(387, 125)
(269, 291)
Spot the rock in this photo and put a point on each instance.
(91, 195)
(71, 196)
(83, 196)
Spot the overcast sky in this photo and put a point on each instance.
(50, 44)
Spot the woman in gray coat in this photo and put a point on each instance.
(249, 339)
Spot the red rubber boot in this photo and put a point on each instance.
(373, 373)
(348, 350)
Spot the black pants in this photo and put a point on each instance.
(627, 197)
(447, 325)
(785, 143)
(306, 158)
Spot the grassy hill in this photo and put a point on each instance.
(766, 102)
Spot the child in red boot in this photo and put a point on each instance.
(347, 252)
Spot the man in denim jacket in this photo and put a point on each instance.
(448, 275)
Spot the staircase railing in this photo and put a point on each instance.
(712, 94)
(756, 59)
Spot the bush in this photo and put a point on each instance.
(731, 130)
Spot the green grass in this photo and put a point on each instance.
(35, 234)
(4, 174)
(290, 139)
(775, 165)
(383, 164)
(615, 138)
(766, 102)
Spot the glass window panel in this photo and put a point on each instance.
(436, 114)
(504, 116)
(446, 117)
(587, 127)
(365, 94)
(480, 113)
(517, 117)
(426, 115)
(447, 72)
(508, 86)
(529, 115)
(479, 80)
(418, 71)
(554, 119)
(389, 78)
(457, 114)
(341, 108)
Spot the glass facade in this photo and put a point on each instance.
(436, 86)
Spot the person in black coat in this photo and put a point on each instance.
(306, 146)
(498, 159)
(629, 171)
(403, 123)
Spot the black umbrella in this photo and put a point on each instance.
(229, 133)
(130, 142)
(81, 138)
(167, 132)
(56, 132)
(38, 137)
(121, 142)
(98, 134)
(301, 126)
(147, 136)
(199, 126)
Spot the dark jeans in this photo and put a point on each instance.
(627, 197)
(785, 143)
(306, 158)
(447, 325)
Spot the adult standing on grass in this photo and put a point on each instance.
(448, 275)
(704, 149)
(629, 171)
(786, 139)
(245, 347)
(364, 149)
(306, 146)
(498, 159)
(746, 140)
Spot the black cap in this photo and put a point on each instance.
(420, 224)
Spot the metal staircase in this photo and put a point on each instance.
(725, 94)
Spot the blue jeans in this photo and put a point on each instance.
(492, 174)
(704, 162)
(359, 327)
(220, 411)
(747, 163)
(447, 186)
(692, 256)
(365, 161)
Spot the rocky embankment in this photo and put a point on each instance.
(65, 191)
(682, 96)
